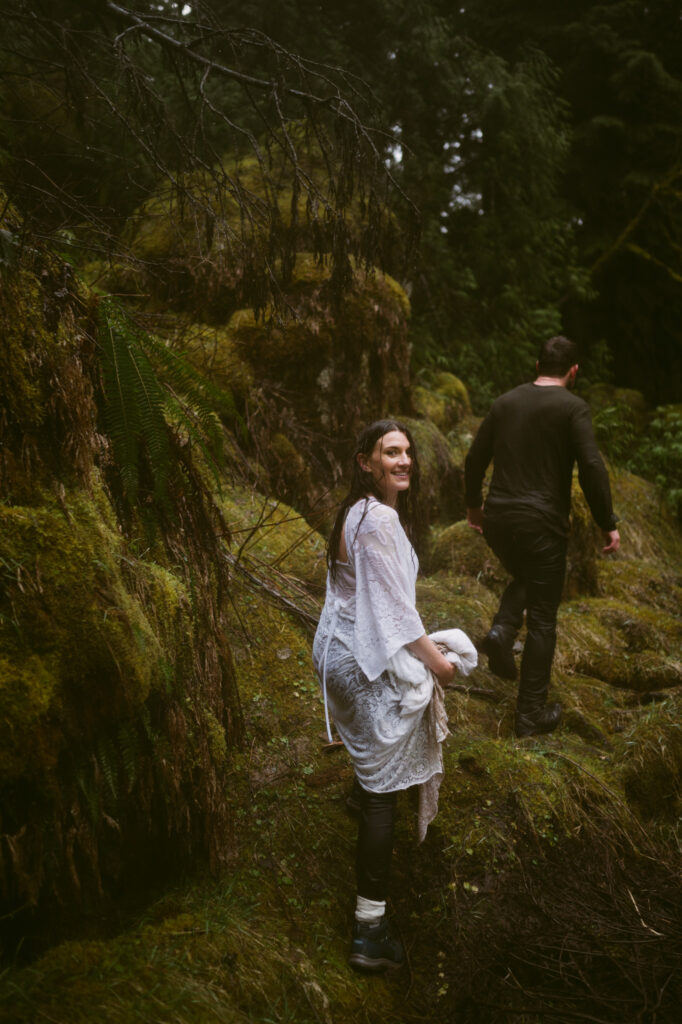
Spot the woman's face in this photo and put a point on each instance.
(390, 463)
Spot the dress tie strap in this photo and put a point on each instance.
(332, 628)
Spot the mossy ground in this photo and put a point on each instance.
(547, 888)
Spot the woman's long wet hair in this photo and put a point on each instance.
(363, 485)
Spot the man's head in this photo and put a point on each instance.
(557, 357)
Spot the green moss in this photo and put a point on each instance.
(584, 545)
(448, 599)
(209, 248)
(429, 405)
(48, 421)
(441, 487)
(78, 647)
(275, 535)
(639, 672)
(642, 583)
(67, 556)
(651, 748)
(501, 796)
(21, 389)
(463, 551)
(27, 692)
(217, 740)
(214, 351)
(158, 228)
(627, 646)
(648, 530)
(443, 399)
(173, 221)
(116, 710)
(318, 355)
(308, 270)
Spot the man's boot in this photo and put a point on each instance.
(498, 646)
(544, 719)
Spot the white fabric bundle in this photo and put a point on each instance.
(422, 695)
(406, 668)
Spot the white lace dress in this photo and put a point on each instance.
(368, 616)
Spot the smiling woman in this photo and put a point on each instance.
(368, 619)
(390, 464)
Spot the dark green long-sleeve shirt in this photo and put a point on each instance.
(535, 434)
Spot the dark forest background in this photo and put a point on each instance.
(541, 146)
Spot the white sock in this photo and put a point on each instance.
(369, 911)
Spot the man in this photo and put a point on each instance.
(534, 434)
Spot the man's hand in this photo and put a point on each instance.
(475, 519)
(612, 538)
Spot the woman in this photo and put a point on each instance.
(369, 616)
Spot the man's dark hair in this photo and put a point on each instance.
(557, 356)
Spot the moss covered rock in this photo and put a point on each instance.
(274, 535)
(46, 398)
(113, 711)
(441, 488)
(117, 698)
(318, 378)
(218, 239)
(339, 367)
(461, 550)
(443, 399)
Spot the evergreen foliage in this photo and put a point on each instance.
(658, 456)
(134, 402)
(151, 396)
(540, 145)
(620, 76)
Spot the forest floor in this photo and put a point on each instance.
(541, 893)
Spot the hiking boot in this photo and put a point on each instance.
(544, 720)
(500, 655)
(374, 948)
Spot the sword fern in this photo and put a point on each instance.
(153, 400)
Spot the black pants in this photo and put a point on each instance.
(536, 559)
(375, 842)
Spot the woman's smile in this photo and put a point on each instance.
(390, 464)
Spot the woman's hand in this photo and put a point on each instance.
(448, 674)
(425, 649)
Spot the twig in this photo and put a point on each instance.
(642, 921)
(308, 618)
(472, 691)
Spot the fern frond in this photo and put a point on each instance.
(195, 401)
(134, 402)
(149, 390)
(106, 760)
(129, 747)
(89, 791)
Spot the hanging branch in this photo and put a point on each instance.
(103, 70)
(620, 242)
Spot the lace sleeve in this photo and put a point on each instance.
(385, 568)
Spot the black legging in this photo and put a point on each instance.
(375, 842)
